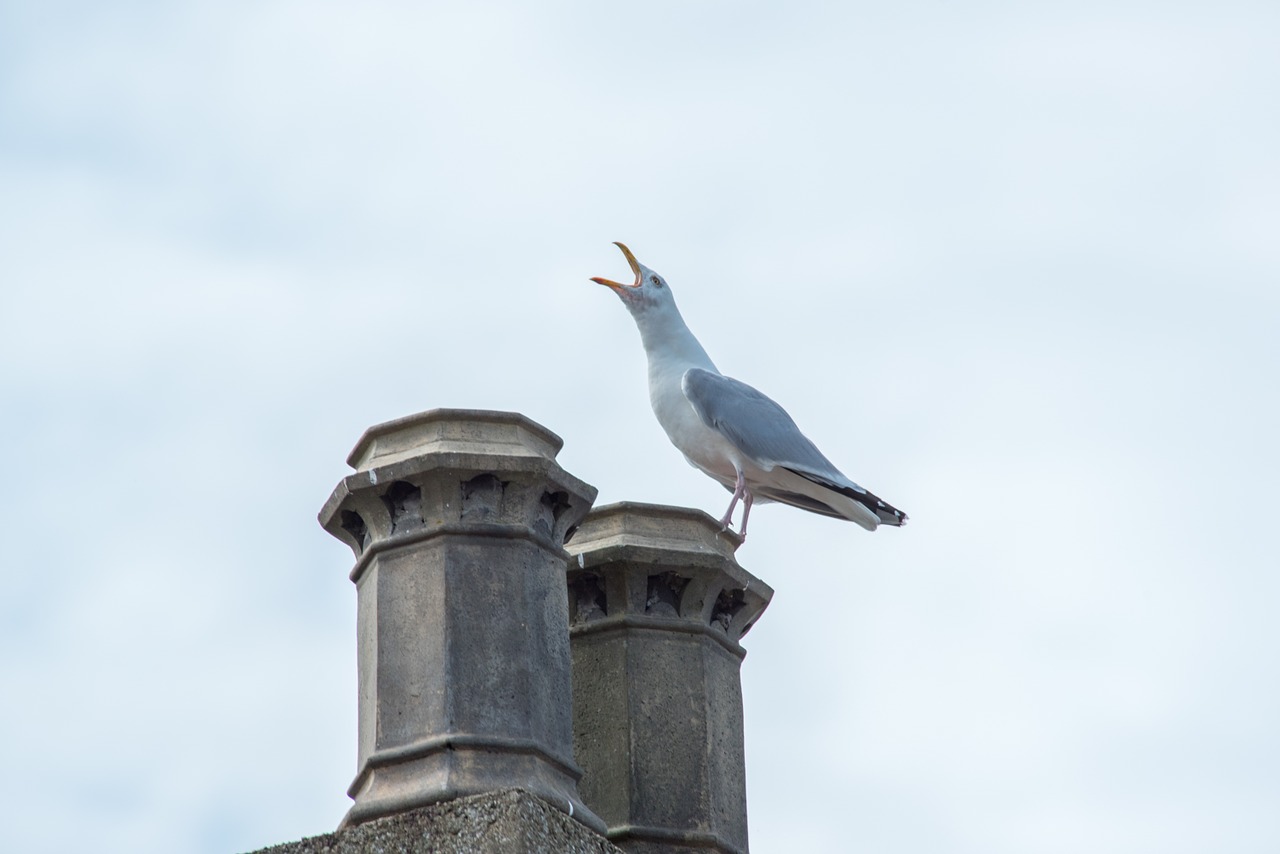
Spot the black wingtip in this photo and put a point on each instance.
(885, 512)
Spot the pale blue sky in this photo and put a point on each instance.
(1014, 267)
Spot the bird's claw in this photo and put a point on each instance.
(726, 528)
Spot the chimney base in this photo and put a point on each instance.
(510, 821)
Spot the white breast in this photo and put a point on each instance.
(703, 447)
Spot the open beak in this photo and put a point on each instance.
(635, 268)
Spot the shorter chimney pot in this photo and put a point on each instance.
(658, 605)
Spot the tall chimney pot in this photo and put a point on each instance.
(458, 519)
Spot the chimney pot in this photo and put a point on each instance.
(457, 519)
(658, 605)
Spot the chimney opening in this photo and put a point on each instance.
(354, 525)
(728, 604)
(481, 497)
(556, 502)
(404, 503)
(588, 601)
(665, 590)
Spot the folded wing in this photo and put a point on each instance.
(764, 432)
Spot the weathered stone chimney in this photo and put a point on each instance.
(658, 605)
(458, 519)
(474, 621)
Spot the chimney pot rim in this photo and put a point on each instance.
(482, 416)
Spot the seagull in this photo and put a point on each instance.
(727, 429)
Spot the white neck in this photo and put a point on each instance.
(668, 343)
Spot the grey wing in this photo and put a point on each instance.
(757, 426)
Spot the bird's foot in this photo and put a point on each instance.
(726, 527)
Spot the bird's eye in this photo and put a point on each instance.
(657, 283)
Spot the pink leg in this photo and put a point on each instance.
(746, 511)
(739, 490)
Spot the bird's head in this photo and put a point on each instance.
(649, 291)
